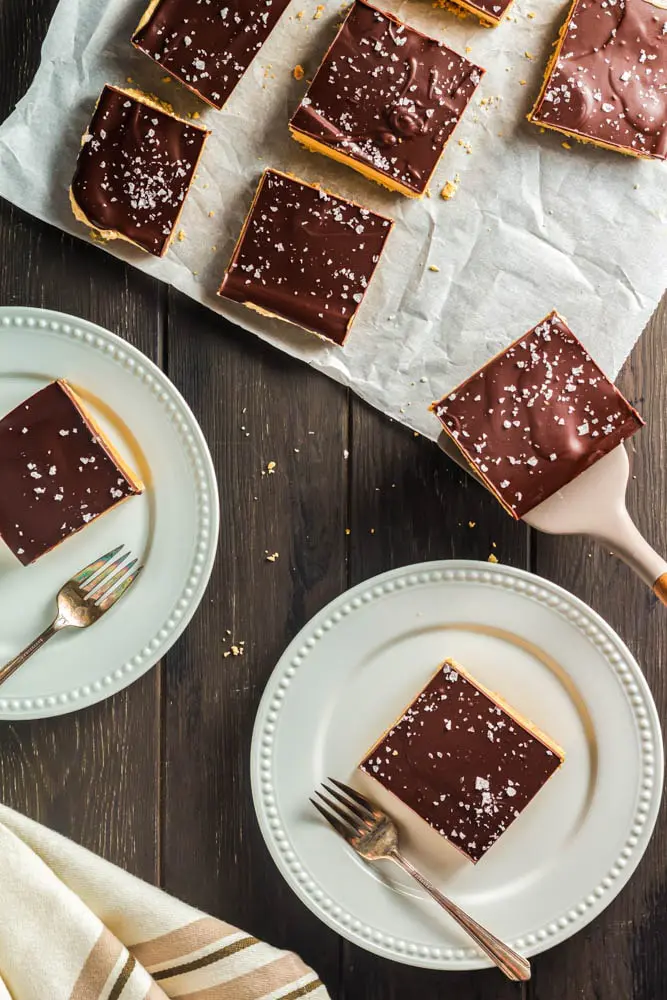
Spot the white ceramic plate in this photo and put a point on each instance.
(173, 526)
(353, 669)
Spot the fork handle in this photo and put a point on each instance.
(18, 661)
(515, 966)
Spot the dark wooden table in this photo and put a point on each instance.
(156, 778)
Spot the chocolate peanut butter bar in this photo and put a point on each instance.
(305, 256)
(135, 167)
(607, 80)
(207, 44)
(58, 472)
(490, 12)
(385, 100)
(463, 760)
(535, 416)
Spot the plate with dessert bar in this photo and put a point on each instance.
(503, 726)
(97, 449)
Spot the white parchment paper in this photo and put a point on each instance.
(534, 226)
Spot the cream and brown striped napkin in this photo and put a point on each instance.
(75, 927)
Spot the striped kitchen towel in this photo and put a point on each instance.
(75, 927)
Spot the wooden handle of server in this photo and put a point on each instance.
(660, 588)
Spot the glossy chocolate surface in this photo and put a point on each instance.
(305, 255)
(56, 474)
(609, 83)
(461, 762)
(537, 415)
(387, 96)
(134, 169)
(208, 44)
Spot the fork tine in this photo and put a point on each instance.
(102, 587)
(95, 567)
(94, 582)
(115, 595)
(339, 827)
(362, 814)
(344, 815)
(360, 799)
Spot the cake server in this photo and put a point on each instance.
(373, 835)
(593, 504)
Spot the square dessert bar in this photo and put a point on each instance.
(57, 471)
(490, 12)
(607, 81)
(134, 170)
(535, 416)
(208, 46)
(463, 760)
(305, 256)
(385, 100)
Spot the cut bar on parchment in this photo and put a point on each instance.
(305, 256)
(207, 44)
(385, 100)
(607, 80)
(490, 12)
(135, 167)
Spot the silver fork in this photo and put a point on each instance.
(373, 835)
(83, 600)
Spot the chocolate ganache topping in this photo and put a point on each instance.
(56, 473)
(134, 169)
(462, 762)
(208, 44)
(387, 96)
(609, 81)
(536, 416)
(305, 255)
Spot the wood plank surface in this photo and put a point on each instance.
(256, 407)
(80, 773)
(157, 778)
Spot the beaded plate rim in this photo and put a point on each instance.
(134, 363)
(622, 664)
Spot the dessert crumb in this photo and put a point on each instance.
(348, 531)
(523, 82)
(236, 649)
(492, 558)
(451, 188)
(566, 145)
(471, 524)
(180, 236)
(466, 146)
(166, 79)
(211, 214)
(433, 267)
(271, 556)
(319, 10)
(298, 72)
